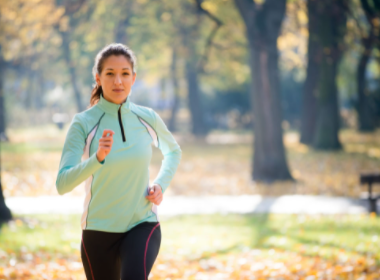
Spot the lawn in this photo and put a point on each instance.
(209, 247)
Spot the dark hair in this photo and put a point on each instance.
(106, 52)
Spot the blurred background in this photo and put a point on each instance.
(276, 107)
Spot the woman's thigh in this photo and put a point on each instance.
(139, 250)
(100, 254)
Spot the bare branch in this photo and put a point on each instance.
(210, 38)
(214, 18)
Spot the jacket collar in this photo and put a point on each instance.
(112, 108)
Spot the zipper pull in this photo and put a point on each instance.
(121, 124)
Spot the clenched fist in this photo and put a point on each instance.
(155, 194)
(105, 144)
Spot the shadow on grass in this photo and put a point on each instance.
(263, 230)
(262, 227)
(303, 240)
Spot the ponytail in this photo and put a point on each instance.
(95, 95)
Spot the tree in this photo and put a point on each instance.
(174, 78)
(309, 101)
(365, 114)
(263, 23)
(183, 24)
(65, 28)
(332, 27)
(3, 136)
(23, 24)
(124, 18)
(190, 34)
(5, 213)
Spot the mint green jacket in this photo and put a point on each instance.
(116, 187)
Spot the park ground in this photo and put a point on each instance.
(229, 246)
(209, 247)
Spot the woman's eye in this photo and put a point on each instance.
(125, 73)
(109, 74)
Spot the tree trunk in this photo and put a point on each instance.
(189, 37)
(365, 116)
(71, 66)
(121, 31)
(5, 213)
(72, 7)
(263, 23)
(309, 102)
(35, 90)
(28, 102)
(331, 31)
(2, 108)
(174, 77)
(3, 135)
(40, 90)
(194, 99)
(2, 116)
(327, 128)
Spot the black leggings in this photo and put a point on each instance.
(125, 256)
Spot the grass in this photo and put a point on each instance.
(357, 235)
(207, 246)
(201, 235)
(48, 233)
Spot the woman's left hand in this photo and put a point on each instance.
(155, 194)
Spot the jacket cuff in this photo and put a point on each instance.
(93, 161)
(161, 186)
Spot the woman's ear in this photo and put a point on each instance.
(97, 79)
(134, 78)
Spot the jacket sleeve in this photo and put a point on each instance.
(72, 171)
(171, 151)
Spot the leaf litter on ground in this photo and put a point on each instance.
(208, 247)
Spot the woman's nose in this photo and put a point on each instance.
(117, 80)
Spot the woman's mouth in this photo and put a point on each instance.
(118, 90)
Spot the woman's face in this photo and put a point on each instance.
(116, 78)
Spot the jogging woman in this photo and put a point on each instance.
(121, 233)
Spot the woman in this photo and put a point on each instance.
(121, 233)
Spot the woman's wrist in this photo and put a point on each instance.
(159, 186)
(99, 159)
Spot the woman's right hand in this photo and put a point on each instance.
(105, 144)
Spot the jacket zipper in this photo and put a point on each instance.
(121, 124)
